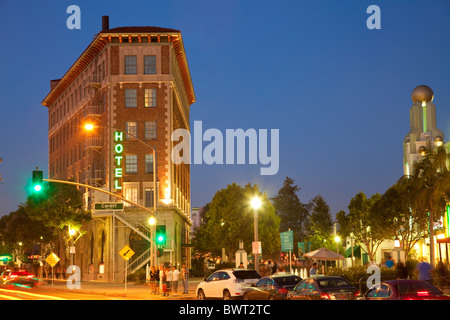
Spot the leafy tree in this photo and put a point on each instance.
(59, 207)
(344, 223)
(365, 224)
(320, 223)
(430, 184)
(229, 219)
(292, 212)
(400, 219)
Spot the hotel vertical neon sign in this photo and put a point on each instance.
(118, 148)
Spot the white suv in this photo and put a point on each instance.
(227, 284)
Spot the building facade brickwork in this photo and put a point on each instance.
(133, 81)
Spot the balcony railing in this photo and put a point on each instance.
(92, 111)
(93, 80)
(92, 177)
(96, 143)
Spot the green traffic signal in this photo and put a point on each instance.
(161, 235)
(37, 180)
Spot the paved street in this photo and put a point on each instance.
(94, 290)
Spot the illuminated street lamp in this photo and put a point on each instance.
(337, 239)
(396, 243)
(256, 203)
(397, 248)
(72, 232)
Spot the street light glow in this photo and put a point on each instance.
(256, 203)
(89, 126)
(151, 221)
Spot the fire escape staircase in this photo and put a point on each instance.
(138, 262)
(145, 233)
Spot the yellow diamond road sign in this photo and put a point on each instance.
(126, 252)
(52, 259)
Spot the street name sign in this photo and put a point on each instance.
(126, 253)
(108, 206)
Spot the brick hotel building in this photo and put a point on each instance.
(134, 80)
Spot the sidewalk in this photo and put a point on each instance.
(133, 290)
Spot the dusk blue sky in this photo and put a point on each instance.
(338, 92)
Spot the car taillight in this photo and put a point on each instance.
(283, 290)
(30, 276)
(357, 293)
(14, 276)
(422, 293)
(324, 295)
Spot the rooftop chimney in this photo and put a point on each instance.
(105, 23)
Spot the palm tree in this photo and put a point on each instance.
(430, 184)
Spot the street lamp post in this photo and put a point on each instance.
(337, 239)
(397, 246)
(256, 203)
(90, 127)
(72, 246)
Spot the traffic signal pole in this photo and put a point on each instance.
(99, 190)
(153, 253)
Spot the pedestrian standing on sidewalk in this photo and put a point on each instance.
(163, 276)
(152, 280)
(169, 280)
(185, 279)
(158, 282)
(175, 277)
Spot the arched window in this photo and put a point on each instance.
(102, 257)
(92, 248)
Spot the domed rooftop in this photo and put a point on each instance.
(422, 93)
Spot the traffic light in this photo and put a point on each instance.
(37, 180)
(160, 235)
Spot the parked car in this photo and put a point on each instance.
(227, 284)
(405, 289)
(324, 288)
(275, 287)
(18, 277)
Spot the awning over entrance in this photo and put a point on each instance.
(356, 252)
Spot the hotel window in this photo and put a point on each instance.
(149, 64)
(150, 98)
(130, 98)
(131, 164)
(131, 129)
(150, 130)
(131, 195)
(149, 197)
(149, 163)
(130, 65)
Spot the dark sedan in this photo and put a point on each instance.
(324, 288)
(275, 287)
(405, 290)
